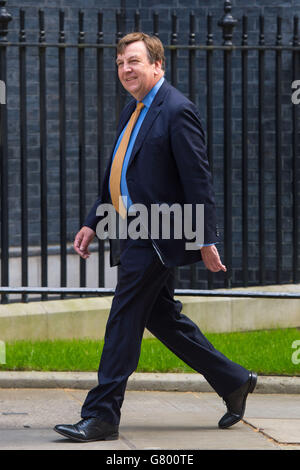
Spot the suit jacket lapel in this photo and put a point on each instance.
(149, 119)
(125, 116)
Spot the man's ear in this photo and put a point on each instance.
(158, 66)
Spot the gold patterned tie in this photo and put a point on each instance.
(117, 164)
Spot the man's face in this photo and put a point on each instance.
(137, 75)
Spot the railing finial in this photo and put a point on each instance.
(227, 22)
(5, 18)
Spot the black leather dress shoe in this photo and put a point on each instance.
(89, 429)
(236, 402)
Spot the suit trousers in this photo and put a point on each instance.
(144, 298)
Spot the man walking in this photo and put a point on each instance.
(159, 157)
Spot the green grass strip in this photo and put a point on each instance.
(267, 352)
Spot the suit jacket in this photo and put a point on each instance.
(168, 164)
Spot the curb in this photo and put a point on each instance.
(139, 382)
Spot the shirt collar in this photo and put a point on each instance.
(151, 95)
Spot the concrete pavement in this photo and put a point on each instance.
(153, 419)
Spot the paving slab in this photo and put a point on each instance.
(284, 431)
(277, 418)
(150, 420)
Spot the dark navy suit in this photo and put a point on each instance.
(168, 165)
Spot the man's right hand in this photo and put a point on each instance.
(211, 259)
(82, 241)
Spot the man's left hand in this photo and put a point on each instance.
(211, 259)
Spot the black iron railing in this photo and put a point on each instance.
(231, 49)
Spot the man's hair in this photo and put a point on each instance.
(154, 46)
